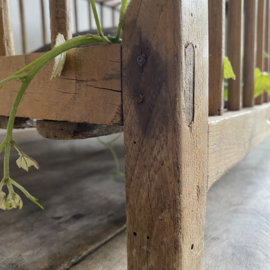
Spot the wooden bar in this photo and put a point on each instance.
(234, 135)
(76, 16)
(23, 32)
(89, 89)
(43, 21)
(165, 101)
(250, 34)
(90, 15)
(216, 13)
(235, 36)
(6, 33)
(60, 16)
(260, 42)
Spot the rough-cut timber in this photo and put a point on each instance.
(6, 33)
(250, 7)
(235, 53)
(72, 131)
(165, 98)
(19, 122)
(233, 136)
(60, 14)
(216, 55)
(89, 89)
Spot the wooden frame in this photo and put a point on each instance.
(156, 85)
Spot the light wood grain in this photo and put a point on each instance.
(89, 89)
(23, 30)
(60, 14)
(73, 131)
(165, 87)
(235, 35)
(233, 136)
(249, 51)
(6, 32)
(260, 42)
(216, 55)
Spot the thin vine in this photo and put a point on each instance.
(25, 76)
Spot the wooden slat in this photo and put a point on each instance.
(89, 89)
(43, 21)
(60, 14)
(6, 33)
(23, 31)
(233, 136)
(260, 41)
(165, 80)
(235, 53)
(216, 55)
(76, 16)
(249, 51)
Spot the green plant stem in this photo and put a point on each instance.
(121, 19)
(94, 9)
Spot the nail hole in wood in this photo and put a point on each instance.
(192, 246)
(148, 237)
(135, 234)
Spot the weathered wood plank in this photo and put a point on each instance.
(6, 33)
(83, 206)
(165, 81)
(235, 33)
(233, 136)
(60, 15)
(73, 131)
(250, 34)
(216, 13)
(260, 42)
(89, 89)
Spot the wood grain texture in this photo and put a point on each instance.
(84, 207)
(73, 131)
(6, 33)
(60, 14)
(260, 42)
(216, 12)
(233, 136)
(165, 155)
(235, 36)
(23, 30)
(250, 34)
(89, 89)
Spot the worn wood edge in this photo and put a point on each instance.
(55, 130)
(233, 136)
(20, 122)
(93, 249)
(89, 89)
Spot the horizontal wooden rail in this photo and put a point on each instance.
(89, 89)
(232, 136)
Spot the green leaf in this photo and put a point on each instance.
(262, 82)
(228, 71)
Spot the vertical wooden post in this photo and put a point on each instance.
(90, 14)
(235, 53)
(60, 15)
(260, 42)
(6, 32)
(216, 55)
(165, 99)
(76, 16)
(23, 33)
(101, 15)
(250, 7)
(43, 21)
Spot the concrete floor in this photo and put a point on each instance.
(82, 201)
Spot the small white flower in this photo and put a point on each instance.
(59, 60)
(26, 162)
(13, 200)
